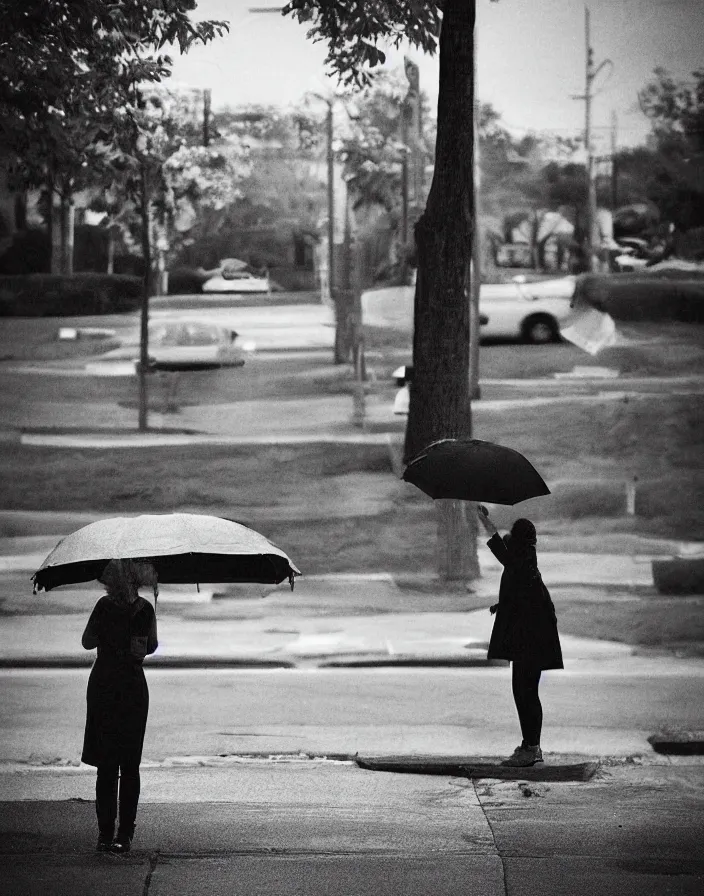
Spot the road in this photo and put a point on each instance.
(595, 708)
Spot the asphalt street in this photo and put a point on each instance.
(595, 709)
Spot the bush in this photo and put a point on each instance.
(183, 281)
(29, 253)
(645, 297)
(56, 295)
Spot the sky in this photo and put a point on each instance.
(531, 59)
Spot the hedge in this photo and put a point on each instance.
(644, 296)
(57, 295)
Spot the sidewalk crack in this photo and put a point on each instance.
(153, 861)
(493, 837)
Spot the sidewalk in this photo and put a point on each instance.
(318, 827)
(336, 619)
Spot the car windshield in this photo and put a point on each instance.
(200, 334)
(184, 333)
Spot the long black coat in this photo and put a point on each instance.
(117, 700)
(525, 628)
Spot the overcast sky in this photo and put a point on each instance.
(530, 56)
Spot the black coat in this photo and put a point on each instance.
(117, 700)
(525, 628)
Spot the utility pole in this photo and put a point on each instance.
(207, 103)
(404, 175)
(614, 163)
(592, 235)
(331, 196)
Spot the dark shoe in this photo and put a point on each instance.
(524, 756)
(104, 842)
(121, 845)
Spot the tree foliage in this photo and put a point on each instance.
(70, 73)
(670, 172)
(372, 151)
(353, 30)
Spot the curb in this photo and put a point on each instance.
(220, 662)
(77, 662)
(681, 743)
(410, 662)
(481, 767)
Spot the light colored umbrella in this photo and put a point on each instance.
(183, 547)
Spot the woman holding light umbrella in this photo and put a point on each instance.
(126, 553)
(123, 628)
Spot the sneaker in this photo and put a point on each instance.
(524, 756)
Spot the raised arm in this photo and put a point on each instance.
(496, 544)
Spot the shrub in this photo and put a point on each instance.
(183, 281)
(645, 297)
(29, 253)
(56, 295)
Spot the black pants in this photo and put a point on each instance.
(525, 681)
(106, 787)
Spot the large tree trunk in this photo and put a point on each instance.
(440, 405)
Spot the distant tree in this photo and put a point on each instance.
(373, 150)
(671, 174)
(281, 196)
(84, 62)
(69, 76)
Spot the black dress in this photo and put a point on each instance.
(117, 697)
(525, 628)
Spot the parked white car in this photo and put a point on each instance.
(237, 281)
(532, 312)
(175, 344)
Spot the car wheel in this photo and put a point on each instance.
(540, 330)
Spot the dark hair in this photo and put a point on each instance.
(525, 531)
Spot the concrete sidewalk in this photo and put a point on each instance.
(318, 827)
(372, 619)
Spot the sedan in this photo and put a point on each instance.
(176, 344)
(531, 312)
(237, 281)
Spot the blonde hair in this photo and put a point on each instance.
(123, 578)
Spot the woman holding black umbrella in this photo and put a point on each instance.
(525, 629)
(123, 628)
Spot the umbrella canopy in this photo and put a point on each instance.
(184, 547)
(472, 470)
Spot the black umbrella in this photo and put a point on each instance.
(472, 470)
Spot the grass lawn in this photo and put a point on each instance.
(340, 508)
(650, 623)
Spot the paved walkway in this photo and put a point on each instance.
(321, 827)
(346, 618)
